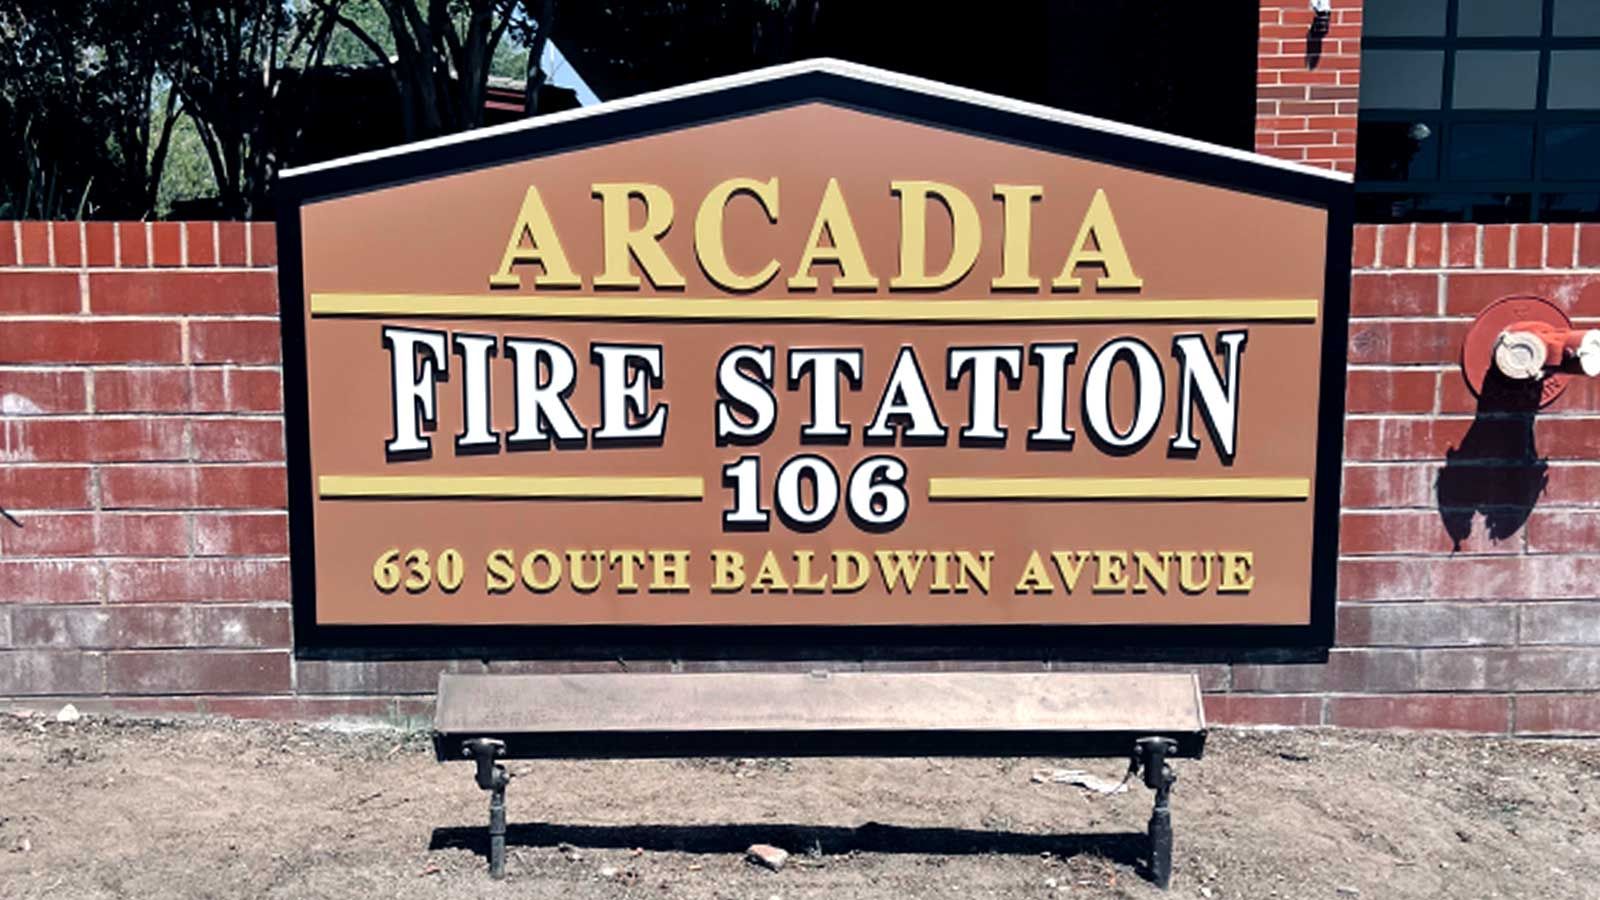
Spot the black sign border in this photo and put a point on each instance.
(878, 93)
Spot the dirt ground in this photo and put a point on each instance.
(125, 808)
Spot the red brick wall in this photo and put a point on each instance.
(1306, 86)
(1500, 629)
(141, 446)
(141, 451)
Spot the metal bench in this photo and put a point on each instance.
(1145, 718)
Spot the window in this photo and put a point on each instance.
(1480, 111)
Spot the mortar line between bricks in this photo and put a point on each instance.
(1403, 367)
(235, 511)
(1476, 555)
(255, 558)
(253, 651)
(154, 648)
(1430, 647)
(1575, 268)
(141, 272)
(150, 463)
(1464, 604)
(1370, 510)
(142, 604)
(1485, 693)
(1569, 506)
(130, 367)
(254, 415)
(1449, 319)
(134, 366)
(97, 319)
(1352, 513)
(1409, 320)
(238, 512)
(1433, 508)
(158, 464)
(1362, 416)
(138, 365)
(144, 367)
(1562, 463)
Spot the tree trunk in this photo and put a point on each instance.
(536, 74)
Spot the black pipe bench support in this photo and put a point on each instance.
(1150, 754)
(494, 778)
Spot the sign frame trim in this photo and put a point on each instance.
(881, 94)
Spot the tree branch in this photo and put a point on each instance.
(536, 76)
(332, 10)
(158, 157)
(219, 171)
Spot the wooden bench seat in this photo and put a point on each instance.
(1147, 718)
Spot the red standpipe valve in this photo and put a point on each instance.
(1528, 339)
(1527, 349)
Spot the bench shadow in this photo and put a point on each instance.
(1128, 848)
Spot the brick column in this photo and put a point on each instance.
(141, 464)
(1307, 84)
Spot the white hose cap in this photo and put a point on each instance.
(1520, 355)
(1589, 352)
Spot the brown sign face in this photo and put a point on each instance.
(806, 361)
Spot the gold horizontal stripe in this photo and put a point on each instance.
(995, 309)
(1119, 488)
(554, 487)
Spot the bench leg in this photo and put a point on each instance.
(492, 777)
(1151, 755)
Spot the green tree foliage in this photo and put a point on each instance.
(134, 108)
(92, 93)
(80, 86)
(115, 108)
(186, 179)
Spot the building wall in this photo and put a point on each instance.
(1307, 83)
(141, 453)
